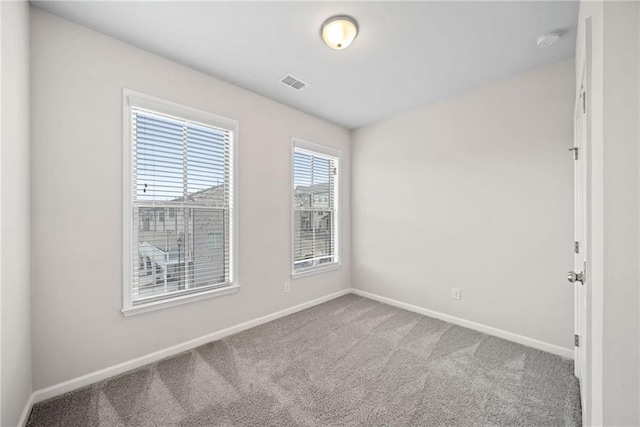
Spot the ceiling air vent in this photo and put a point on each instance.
(293, 82)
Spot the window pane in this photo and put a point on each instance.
(175, 253)
(303, 239)
(206, 163)
(321, 181)
(158, 157)
(313, 238)
(312, 181)
(323, 229)
(302, 179)
(209, 261)
(161, 252)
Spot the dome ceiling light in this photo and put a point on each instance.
(338, 32)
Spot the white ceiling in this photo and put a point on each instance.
(407, 54)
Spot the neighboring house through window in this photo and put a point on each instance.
(315, 207)
(178, 194)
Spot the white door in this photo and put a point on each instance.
(578, 275)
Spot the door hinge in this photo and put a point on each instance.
(575, 152)
(576, 340)
(584, 102)
(576, 247)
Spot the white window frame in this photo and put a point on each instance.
(320, 149)
(136, 99)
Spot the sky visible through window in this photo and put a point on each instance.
(161, 154)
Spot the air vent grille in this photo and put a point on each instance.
(293, 82)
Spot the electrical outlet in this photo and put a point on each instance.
(287, 286)
(455, 293)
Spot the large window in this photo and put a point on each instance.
(178, 202)
(315, 207)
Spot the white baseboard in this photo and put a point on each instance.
(93, 377)
(24, 417)
(510, 336)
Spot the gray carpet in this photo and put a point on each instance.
(350, 361)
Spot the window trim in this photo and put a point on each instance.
(132, 98)
(320, 149)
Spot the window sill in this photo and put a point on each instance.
(158, 305)
(313, 271)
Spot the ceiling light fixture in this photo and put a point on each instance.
(338, 32)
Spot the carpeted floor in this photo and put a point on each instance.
(350, 361)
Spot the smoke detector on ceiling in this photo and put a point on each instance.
(293, 82)
(547, 39)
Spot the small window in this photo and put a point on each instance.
(215, 240)
(315, 207)
(179, 203)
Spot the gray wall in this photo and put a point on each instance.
(77, 81)
(15, 256)
(474, 192)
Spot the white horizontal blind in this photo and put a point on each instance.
(315, 210)
(182, 198)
